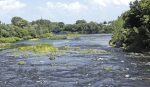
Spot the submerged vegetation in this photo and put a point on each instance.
(55, 51)
(52, 57)
(93, 51)
(21, 63)
(6, 45)
(107, 68)
(39, 48)
(132, 29)
(64, 48)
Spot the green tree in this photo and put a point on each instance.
(80, 21)
(18, 21)
(134, 33)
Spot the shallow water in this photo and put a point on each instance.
(72, 69)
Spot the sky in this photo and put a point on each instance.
(67, 11)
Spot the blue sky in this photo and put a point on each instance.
(67, 11)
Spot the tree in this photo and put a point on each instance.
(70, 27)
(92, 28)
(80, 21)
(18, 21)
(61, 24)
(134, 32)
(104, 22)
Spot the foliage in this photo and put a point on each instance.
(83, 27)
(133, 30)
(18, 21)
(46, 35)
(43, 28)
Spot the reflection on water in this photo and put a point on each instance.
(117, 69)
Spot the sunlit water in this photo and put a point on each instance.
(117, 69)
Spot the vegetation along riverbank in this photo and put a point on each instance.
(131, 30)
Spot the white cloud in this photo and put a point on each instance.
(106, 3)
(74, 6)
(8, 5)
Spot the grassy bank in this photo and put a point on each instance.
(47, 35)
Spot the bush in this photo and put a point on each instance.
(46, 35)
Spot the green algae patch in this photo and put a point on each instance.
(21, 63)
(39, 48)
(64, 48)
(107, 68)
(93, 51)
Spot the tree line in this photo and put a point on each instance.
(22, 28)
(131, 30)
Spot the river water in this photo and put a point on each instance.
(115, 69)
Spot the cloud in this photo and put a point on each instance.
(106, 3)
(8, 5)
(72, 7)
(63, 10)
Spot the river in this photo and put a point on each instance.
(115, 69)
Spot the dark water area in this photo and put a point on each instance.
(116, 69)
